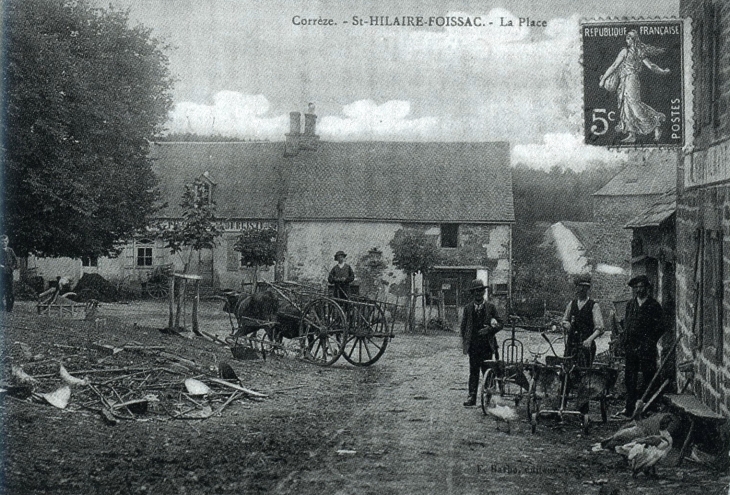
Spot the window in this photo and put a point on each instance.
(144, 252)
(449, 235)
(89, 261)
(708, 82)
(712, 319)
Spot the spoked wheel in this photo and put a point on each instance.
(322, 330)
(488, 388)
(367, 335)
(158, 291)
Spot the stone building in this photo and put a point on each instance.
(323, 197)
(703, 211)
(636, 187)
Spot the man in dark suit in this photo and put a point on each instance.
(479, 326)
(643, 326)
(341, 276)
(8, 264)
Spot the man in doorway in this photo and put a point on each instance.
(643, 326)
(583, 323)
(479, 326)
(8, 264)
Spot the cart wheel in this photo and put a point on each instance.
(158, 291)
(604, 409)
(367, 335)
(487, 389)
(323, 331)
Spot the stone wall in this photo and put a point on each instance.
(703, 208)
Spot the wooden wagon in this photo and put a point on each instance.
(319, 328)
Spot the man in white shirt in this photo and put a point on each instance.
(583, 324)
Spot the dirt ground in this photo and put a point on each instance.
(396, 427)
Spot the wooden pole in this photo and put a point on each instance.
(180, 298)
(196, 301)
(171, 300)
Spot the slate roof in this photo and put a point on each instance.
(396, 181)
(375, 181)
(657, 213)
(656, 173)
(245, 175)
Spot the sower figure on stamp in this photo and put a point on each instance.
(479, 326)
(583, 323)
(8, 264)
(635, 116)
(341, 276)
(643, 327)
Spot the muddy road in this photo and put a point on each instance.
(397, 427)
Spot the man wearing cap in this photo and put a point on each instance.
(643, 327)
(479, 326)
(583, 323)
(341, 276)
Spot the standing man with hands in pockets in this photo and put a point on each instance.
(479, 326)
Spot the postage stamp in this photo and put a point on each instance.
(633, 88)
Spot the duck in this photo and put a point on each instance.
(643, 453)
(502, 412)
(633, 430)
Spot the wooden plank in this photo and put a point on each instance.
(689, 404)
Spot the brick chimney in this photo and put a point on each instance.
(293, 136)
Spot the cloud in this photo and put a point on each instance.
(365, 120)
(231, 114)
(564, 150)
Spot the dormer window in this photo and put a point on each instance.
(203, 188)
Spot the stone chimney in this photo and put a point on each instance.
(309, 139)
(294, 134)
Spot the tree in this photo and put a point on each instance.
(198, 228)
(413, 252)
(84, 94)
(257, 248)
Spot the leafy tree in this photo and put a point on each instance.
(257, 248)
(84, 93)
(198, 229)
(413, 252)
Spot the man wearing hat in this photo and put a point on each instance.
(341, 276)
(583, 323)
(479, 326)
(643, 327)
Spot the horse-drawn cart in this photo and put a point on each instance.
(291, 318)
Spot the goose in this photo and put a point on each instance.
(643, 453)
(634, 430)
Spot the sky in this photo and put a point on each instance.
(242, 65)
